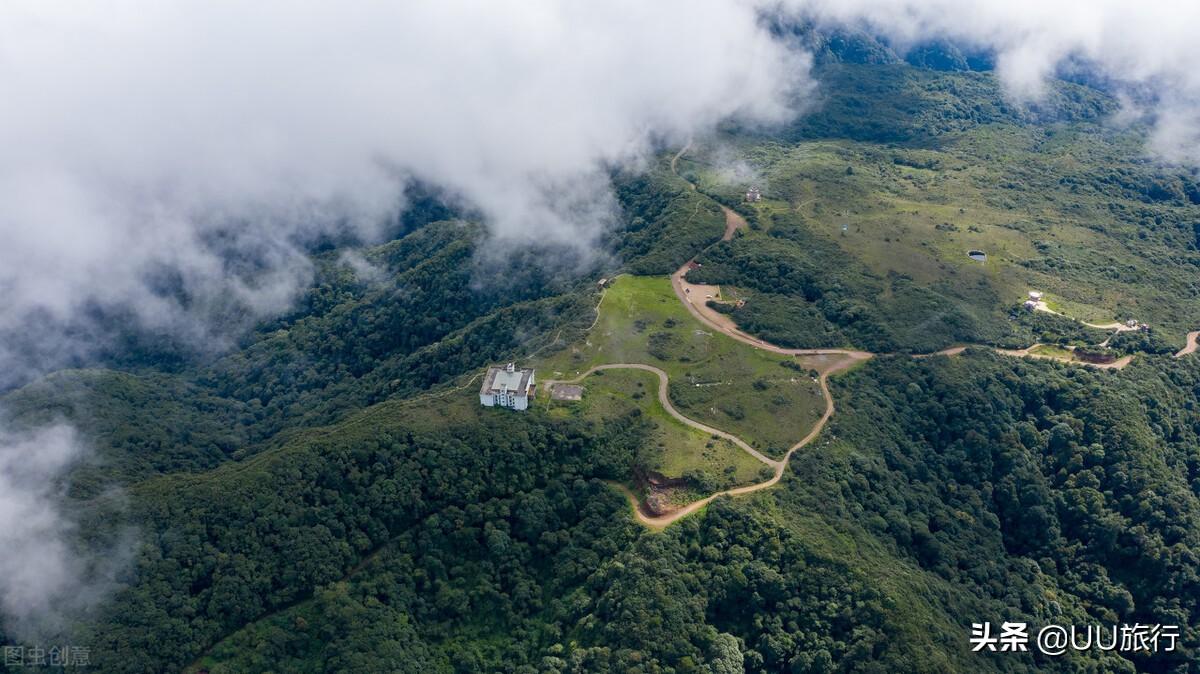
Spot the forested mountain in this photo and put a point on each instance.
(327, 494)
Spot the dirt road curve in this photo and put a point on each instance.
(1191, 344)
(658, 522)
(665, 400)
(1119, 327)
(697, 307)
(1041, 305)
(694, 298)
(733, 222)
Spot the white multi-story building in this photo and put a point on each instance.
(507, 387)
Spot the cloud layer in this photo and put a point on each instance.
(44, 578)
(136, 132)
(1149, 47)
(154, 151)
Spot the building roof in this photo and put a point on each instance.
(499, 379)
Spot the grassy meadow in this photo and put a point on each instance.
(769, 400)
(671, 447)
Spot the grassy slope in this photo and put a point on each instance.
(714, 379)
(671, 447)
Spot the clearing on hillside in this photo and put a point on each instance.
(769, 400)
(672, 449)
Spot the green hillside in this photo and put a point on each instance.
(863, 238)
(672, 449)
(328, 495)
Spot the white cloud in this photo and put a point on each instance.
(1148, 44)
(134, 130)
(44, 579)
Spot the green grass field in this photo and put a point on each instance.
(672, 448)
(714, 379)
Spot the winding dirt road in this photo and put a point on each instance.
(660, 521)
(665, 401)
(664, 520)
(733, 222)
(720, 322)
(1191, 344)
(723, 324)
(716, 320)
